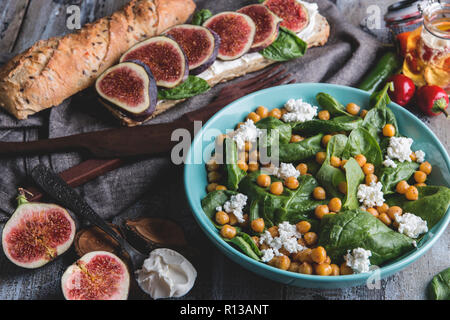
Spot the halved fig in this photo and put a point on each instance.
(236, 32)
(267, 25)
(98, 275)
(200, 44)
(94, 239)
(37, 233)
(129, 87)
(294, 14)
(150, 233)
(165, 58)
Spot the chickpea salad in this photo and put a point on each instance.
(322, 190)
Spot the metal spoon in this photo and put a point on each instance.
(51, 183)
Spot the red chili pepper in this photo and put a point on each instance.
(404, 89)
(432, 100)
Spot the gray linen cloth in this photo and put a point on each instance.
(154, 186)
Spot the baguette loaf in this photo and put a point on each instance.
(55, 69)
(319, 37)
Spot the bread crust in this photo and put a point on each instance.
(319, 37)
(53, 70)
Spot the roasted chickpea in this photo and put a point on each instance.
(262, 111)
(212, 165)
(401, 187)
(257, 225)
(284, 251)
(420, 176)
(253, 166)
(239, 125)
(243, 156)
(412, 193)
(221, 188)
(303, 256)
(281, 262)
(233, 219)
(420, 184)
(393, 211)
(328, 260)
(324, 115)
(303, 227)
(302, 168)
(345, 269)
(319, 255)
(343, 163)
(310, 238)
(292, 183)
(335, 271)
(248, 146)
(425, 167)
(323, 269)
(273, 231)
(342, 187)
(389, 130)
(294, 267)
(326, 138)
(368, 168)
(301, 242)
(254, 116)
(242, 165)
(361, 159)
(228, 231)
(276, 113)
(246, 221)
(283, 111)
(373, 212)
(335, 161)
(383, 208)
(222, 217)
(319, 193)
(353, 108)
(413, 157)
(263, 180)
(335, 204)
(305, 268)
(296, 138)
(363, 113)
(385, 219)
(214, 176)
(256, 240)
(211, 187)
(320, 157)
(276, 188)
(371, 178)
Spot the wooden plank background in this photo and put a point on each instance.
(22, 22)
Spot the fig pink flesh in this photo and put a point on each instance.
(37, 235)
(294, 16)
(163, 60)
(124, 85)
(100, 278)
(265, 21)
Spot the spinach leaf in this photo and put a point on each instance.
(286, 47)
(277, 132)
(439, 288)
(201, 16)
(431, 206)
(354, 176)
(234, 174)
(333, 106)
(380, 99)
(360, 141)
(193, 86)
(254, 210)
(329, 176)
(389, 176)
(356, 228)
(215, 199)
(341, 123)
(301, 150)
(244, 246)
(292, 205)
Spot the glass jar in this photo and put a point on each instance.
(427, 60)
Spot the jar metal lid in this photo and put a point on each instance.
(402, 10)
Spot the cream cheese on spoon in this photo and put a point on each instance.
(166, 274)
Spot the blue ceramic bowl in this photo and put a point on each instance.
(195, 178)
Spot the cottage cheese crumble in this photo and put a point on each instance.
(358, 260)
(371, 196)
(389, 163)
(299, 111)
(235, 206)
(420, 155)
(411, 225)
(400, 149)
(246, 132)
(285, 171)
(287, 239)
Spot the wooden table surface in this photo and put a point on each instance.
(22, 22)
